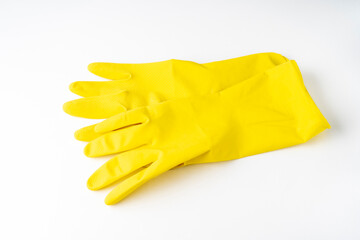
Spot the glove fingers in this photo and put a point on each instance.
(122, 120)
(98, 88)
(98, 107)
(87, 133)
(126, 187)
(112, 71)
(118, 141)
(121, 166)
(162, 161)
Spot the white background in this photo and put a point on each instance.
(311, 191)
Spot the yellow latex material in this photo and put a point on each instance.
(268, 111)
(137, 85)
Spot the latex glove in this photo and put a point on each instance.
(137, 85)
(269, 111)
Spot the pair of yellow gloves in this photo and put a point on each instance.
(167, 114)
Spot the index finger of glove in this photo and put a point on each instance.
(98, 107)
(122, 120)
(98, 88)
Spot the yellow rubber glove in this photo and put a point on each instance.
(269, 111)
(137, 85)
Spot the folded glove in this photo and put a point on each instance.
(137, 85)
(268, 111)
